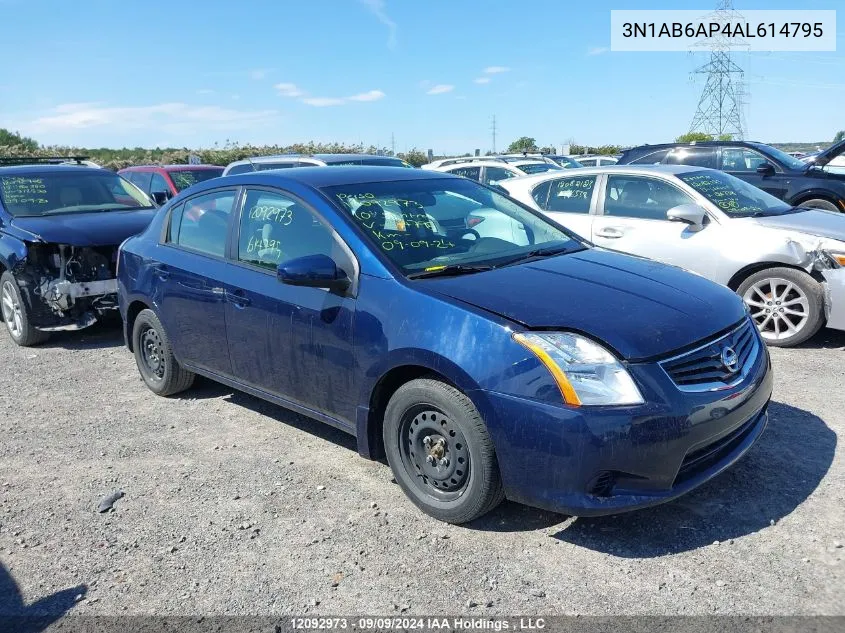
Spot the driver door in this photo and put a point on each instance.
(743, 163)
(632, 219)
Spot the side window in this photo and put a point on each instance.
(741, 159)
(141, 179)
(540, 193)
(467, 172)
(571, 195)
(202, 223)
(643, 198)
(696, 156)
(274, 228)
(239, 169)
(158, 183)
(494, 175)
(652, 158)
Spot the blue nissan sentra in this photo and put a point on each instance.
(485, 350)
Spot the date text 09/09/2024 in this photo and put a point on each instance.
(721, 29)
(409, 623)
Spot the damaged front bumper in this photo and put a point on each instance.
(834, 297)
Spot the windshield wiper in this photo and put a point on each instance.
(452, 269)
(539, 253)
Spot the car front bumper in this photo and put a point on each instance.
(589, 461)
(834, 290)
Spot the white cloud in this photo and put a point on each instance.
(482, 80)
(439, 89)
(322, 102)
(169, 117)
(495, 70)
(597, 50)
(288, 90)
(377, 8)
(370, 95)
(259, 73)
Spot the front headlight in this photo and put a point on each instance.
(825, 260)
(585, 372)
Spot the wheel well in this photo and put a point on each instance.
(383, 391)
(749, 270)
(132, 313)
(815, 196)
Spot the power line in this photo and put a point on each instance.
(720, 107)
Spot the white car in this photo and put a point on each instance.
(786, 262)
(596, 161)
(492, 171)
(286, 161)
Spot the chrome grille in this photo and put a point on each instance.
(705, 368)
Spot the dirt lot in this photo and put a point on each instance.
(235, 506)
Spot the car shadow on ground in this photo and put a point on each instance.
(780, 471)
(16, 615)
(101, 335)
(826, 339)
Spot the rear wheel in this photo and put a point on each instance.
(154, 357)
(16, 314)
(786, 304)
(440, 452)
(820, 203)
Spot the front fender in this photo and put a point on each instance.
(12, 251)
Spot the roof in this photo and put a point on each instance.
(172, 167)
(607, 169)
(319, 177)
(44, 169)
(328, 158)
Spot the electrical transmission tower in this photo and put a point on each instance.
(720, 108)
(493, 130)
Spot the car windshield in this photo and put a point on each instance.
(38, 193)
(184, 178)
(538, 168)
(733, 196)
(444, 224)
(569, 163)
(782, 157)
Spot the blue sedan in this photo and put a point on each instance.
(485, 350)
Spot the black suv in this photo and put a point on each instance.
(793, 181)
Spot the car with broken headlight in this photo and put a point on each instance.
(786, 262)
(534, 367)
(60, 228)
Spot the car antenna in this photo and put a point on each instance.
(251, 164)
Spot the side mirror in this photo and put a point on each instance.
(159, 197)
(691, 214)
(313, 271)
(767, 169)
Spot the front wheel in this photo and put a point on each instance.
(440, 452)
(820, 203)
(156, 363)
(786, 304)
(16, 314)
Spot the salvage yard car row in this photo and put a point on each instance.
(473, 338)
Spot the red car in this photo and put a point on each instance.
(164, 182)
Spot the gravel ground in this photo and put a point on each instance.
(234, 506)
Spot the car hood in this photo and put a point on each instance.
(825, 156)
(817, 222)
(87, 229)
(639, 307)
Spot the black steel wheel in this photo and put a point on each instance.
(156, 363)
(440, 452)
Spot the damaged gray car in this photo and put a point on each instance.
(60, 228)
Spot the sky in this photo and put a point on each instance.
(391, 73)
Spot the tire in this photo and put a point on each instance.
(15, 310)
(464, 482)
(154, 357)
(794, 300)
(820, 203)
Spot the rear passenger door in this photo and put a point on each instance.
(569, 200)
(190, 270)
(743, 162)
(293, 342)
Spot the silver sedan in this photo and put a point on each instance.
(786, 262)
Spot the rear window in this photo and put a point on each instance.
(65, 192)
(184, 178)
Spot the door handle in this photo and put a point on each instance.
(238, 299)
(611, 232)
(162, 273)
